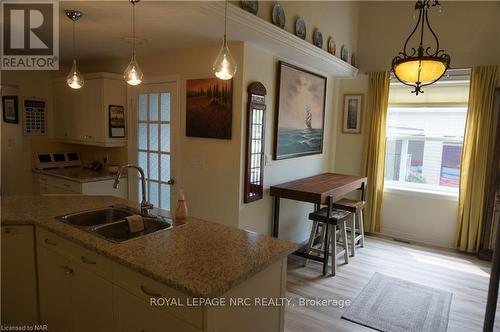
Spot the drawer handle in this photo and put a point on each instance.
(67, 271)
(66, 185)
(48, 241)
(87, 261)
(149, 293)
(8, 230)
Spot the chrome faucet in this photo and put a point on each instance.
(145, 205)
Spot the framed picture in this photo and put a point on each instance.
(300, 112)
(116, 121)
(10, 109)
(209, 108)
(352, 113)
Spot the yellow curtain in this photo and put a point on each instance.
(374, 151)
(478, 135)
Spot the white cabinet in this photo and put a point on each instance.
(129, 308)
(82, 115)
(53, 185)
(19, 287)
(75, 294)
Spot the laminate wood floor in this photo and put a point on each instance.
(463, 275)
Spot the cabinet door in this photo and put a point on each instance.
(54, 290)
(63, 109)
(19, 296)
(89, 123)
(133, 314)
(92, 301)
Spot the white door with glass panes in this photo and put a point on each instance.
(154, 120)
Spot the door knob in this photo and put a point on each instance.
(171, 182)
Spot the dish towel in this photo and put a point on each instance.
(135, 223)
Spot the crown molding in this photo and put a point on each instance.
(247, 27)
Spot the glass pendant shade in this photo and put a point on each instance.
(224, 65)
(75, 79)
(133, 74)
(419, 70)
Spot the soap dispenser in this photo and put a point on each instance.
(181, 208)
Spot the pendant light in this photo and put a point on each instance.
(224, 66)
(74, 79)
(424, 65)
(133, 74)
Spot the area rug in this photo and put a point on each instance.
(395, 305)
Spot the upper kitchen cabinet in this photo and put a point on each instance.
(82, 116)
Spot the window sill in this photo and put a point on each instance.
(421, 193)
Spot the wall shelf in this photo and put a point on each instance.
(247, 27)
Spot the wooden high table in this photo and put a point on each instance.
(319, 189)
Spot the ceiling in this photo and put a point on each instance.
(105, 30)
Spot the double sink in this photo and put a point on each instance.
(110, 223)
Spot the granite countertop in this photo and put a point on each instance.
(199, 258)
(79, 174)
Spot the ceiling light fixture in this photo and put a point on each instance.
(418, 67)
(133, 74)
(224, 66)
(74, 79)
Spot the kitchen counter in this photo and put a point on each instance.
(79, 174)
(199, 258)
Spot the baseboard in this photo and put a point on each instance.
(405, 238)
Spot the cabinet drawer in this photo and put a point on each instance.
(87, 258)
(68, 185)
(146, 288)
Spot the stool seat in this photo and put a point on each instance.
(349, 205)
(336, 216)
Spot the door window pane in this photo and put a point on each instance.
(143, 136)
(165, 196)
(153, 193)
(143, 107)
(153, 107)
(153, 166)
(165, 167)
(153, 136)
(165, 107)
(165, 137)
(143, 162)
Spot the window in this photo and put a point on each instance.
(425, 137)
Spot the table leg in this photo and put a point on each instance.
(326, 249)
(363, 191)
(276, 216)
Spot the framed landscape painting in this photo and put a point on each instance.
(209, 108)
(352, 112)
(300, 112)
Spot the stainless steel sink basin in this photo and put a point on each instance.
(118, 231)
(110, 224)
(97, 217)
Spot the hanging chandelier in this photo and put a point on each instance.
(74, 79)
(224, 65)
(133, 73)
(424, 65)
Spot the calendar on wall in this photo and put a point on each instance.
(34, 117)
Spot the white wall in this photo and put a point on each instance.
(262, 66)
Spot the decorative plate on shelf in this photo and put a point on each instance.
(278, 16)
(332, 48)
(318, 38)
(250, 6)
(354, 60)
(344, 53)
(300, 28)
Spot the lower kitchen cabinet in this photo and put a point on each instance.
(133, 314)
(72, 297)
(19, 288)
(54, 290)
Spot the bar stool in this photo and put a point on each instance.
(355, 227)
(333, 221)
